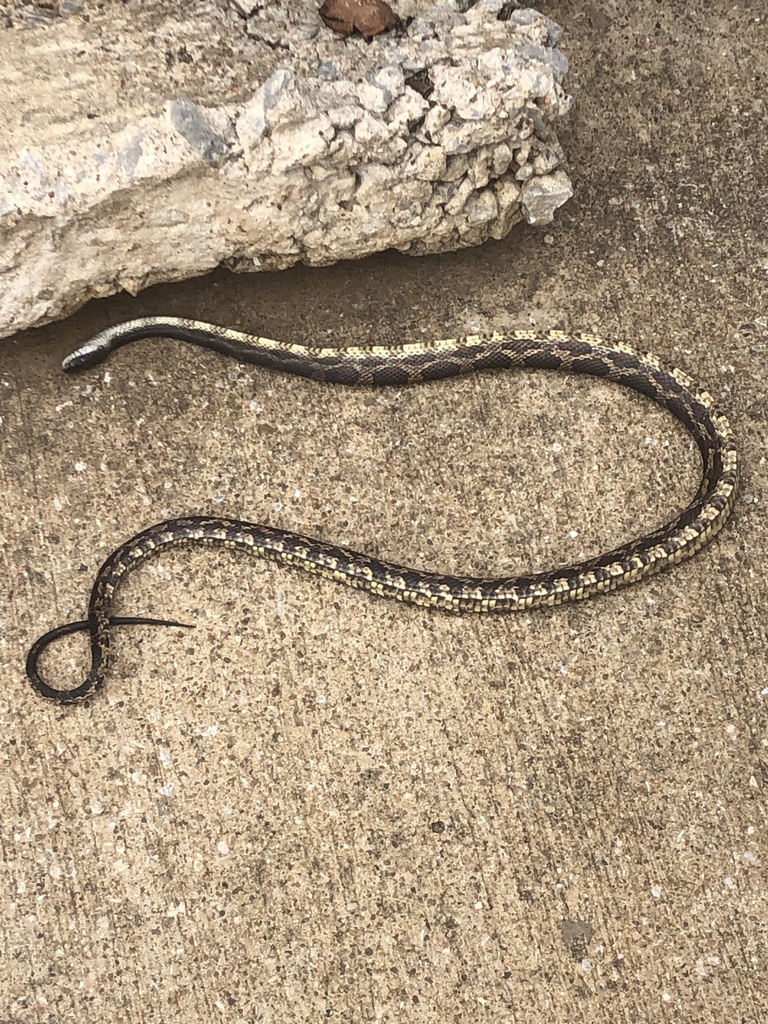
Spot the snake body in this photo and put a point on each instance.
(375, 366)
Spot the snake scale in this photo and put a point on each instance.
(375, 366)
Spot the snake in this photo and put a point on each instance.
(374, 366)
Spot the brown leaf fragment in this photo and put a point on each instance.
(368, 17)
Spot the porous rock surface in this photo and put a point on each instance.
(148, 142)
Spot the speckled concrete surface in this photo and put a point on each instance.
(319, 805)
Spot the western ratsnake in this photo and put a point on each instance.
(375, 366)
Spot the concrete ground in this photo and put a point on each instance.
(319, 805)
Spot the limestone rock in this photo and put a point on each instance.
(147, 142)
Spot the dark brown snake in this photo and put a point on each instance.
(374, 366)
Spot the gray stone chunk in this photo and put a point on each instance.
(542, 194)
(188, 120)
(147, 143)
